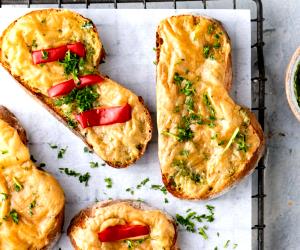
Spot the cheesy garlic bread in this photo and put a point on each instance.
(54, 54)
(207, 143)
(122, 224)
(31, 200)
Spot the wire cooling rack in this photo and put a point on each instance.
(258, 80)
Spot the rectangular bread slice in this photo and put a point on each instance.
(207, 142)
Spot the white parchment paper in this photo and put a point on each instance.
(128, 37)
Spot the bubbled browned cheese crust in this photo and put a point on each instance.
(210, 162)
(119, 144)
(84, 227)
(39, 226)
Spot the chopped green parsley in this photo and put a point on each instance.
(86, 150)
(61, 153)
(72, 123)
(83, 99)
(184, 131)
(32, 205)
(210, 29)
(185, 153)
(131, 244)
(4, 196)
(183, 170)
(108, 182)
(240, 139)
(34, 44)
(53, 146)
(160, 188)
(94, 164)
(14, 216)
(17, 185)
(42, 165)
(143, 183)
(87, 25)
(32, 158)
(83, 178)
(210, 108)
(202, 232)
(206, 50)
(189, 221)
(130, 190)
(45, 54)
(71, 65)
(226, 244)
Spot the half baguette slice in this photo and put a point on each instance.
(85, 226)
(207, 143)
(118, 144)
(32, 201)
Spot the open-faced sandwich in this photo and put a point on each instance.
(207, 143)
(31, 200)
(122, 224)
(54, 54)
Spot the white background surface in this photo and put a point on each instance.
(128, 37)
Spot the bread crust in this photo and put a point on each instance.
(79, 219)
(54, 235)
(250, 166)
(54, 110)
(12, 120)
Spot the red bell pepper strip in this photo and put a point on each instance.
(89, 80)
(55, 54)
(121, 232)
(49, 55)
(67, 86)
(104, 116)
(62, 88)
(77, 48)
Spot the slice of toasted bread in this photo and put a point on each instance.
(39, 223)
(207, 143)
(158, 221)
(119, 144)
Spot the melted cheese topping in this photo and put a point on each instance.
(184, 43)
(38, 188)
(123, 141)
(118, 143)
(161, 235)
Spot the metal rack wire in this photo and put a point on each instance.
(258, 81)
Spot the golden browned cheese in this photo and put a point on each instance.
(118, 144)
(205, 140)
(162, 232)
(30, 199)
